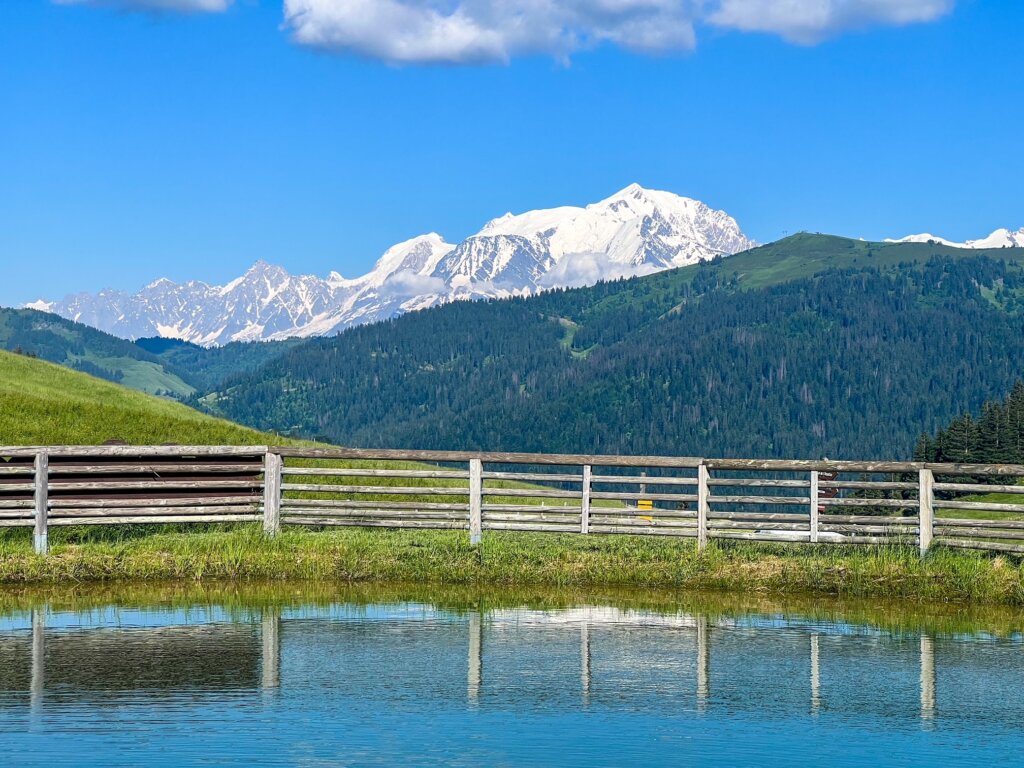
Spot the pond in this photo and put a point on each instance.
(299, 674)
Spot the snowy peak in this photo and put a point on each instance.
(635, 231)
(1001, 238)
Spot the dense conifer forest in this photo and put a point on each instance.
(853, 362)
(994, 436)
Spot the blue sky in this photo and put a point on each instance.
(190, 141)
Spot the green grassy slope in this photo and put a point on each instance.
(46, 404)
(78, 346)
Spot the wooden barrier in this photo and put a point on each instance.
(816, 502)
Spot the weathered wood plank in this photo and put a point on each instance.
(287, 504)
(644, 522)
(947, 522)
(376, 514)
(867, 485)
(159, 470)
(560, 508)
(432, 474)
(374, 489)
(153, 512)
(538, 527)
(683, 533)
(896, 503)
(132, 451)
(975, 544)
(720, 525)
(979, 488)
(792, 500)
(132, 520)
(490, 457)
(369, 523)
(990, 506)
(911, 530)
(870, 519)
(980, 533)
(534, 477)
(675, 514)
(131, 486)
(615, 495)
(645, 479)
(540, 493)
(58, 503)
(520, 517)
(738, 482)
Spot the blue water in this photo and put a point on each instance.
(340, 681)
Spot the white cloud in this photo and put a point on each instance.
(407, 284)
(580, 269)
(178, 6)
(810, 21)
(478, 31)
(486, 31)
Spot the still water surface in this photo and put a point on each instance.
(321, 675)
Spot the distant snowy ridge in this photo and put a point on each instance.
(1001, 238)
(635, 231)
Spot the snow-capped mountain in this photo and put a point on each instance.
(1001, 238)
(635, 231)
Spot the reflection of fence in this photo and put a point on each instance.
(595, 645)
(838, 502)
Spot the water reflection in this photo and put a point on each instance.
(316, 672)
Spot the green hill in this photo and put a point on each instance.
(46, 404)
(78, 346)
(812, 346)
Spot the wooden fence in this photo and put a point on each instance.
(818, 502)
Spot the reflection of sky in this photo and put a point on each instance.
(408, 683)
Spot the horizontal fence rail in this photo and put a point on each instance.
(977, 506)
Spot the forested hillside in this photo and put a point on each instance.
(52, 338)
(813, 346)
(166, 367)
(206, 367)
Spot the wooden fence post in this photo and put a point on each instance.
(814, 506)
(476, 488)
(272, 465)
(41, 484)
(585, 501)
(702, 507)
(926, 509)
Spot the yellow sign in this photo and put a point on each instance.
(645, 504)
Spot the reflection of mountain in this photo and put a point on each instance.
(353, 661)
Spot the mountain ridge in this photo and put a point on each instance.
(634, 231)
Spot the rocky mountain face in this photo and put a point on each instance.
(635, 231)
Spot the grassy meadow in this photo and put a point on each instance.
(353, 555)
(42, 403)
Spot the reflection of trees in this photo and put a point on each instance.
(115, 661)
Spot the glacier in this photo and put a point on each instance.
(636, 231)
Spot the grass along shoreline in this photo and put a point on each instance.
(512, 559)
